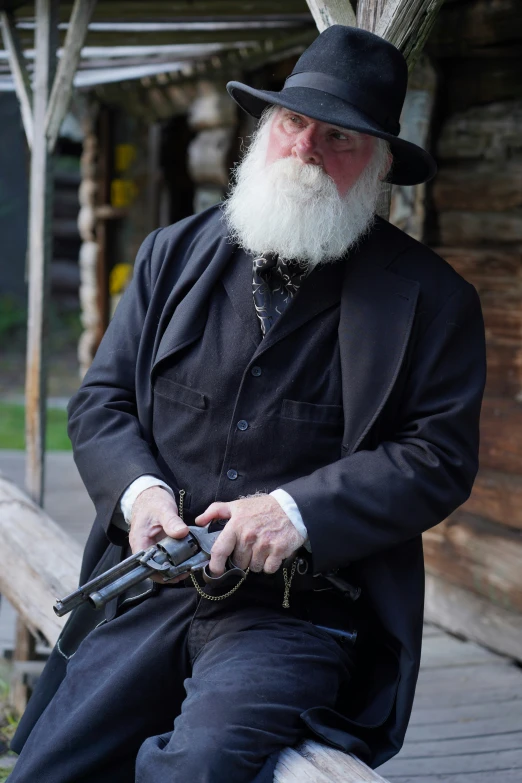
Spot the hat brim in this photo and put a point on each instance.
(411, 164)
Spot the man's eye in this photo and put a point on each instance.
(296, 120)
(340, 136)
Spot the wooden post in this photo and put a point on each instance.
(25, 648)
(20, 73)
(63, 83)
(369, 13)
(49, 108)
(46, 12)
(329, 12)
(407, 24)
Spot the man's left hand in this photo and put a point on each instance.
(258, 535)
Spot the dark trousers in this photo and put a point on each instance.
(177, 688)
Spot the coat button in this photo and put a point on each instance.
(232, 474)
(255, 371)
(242, 424)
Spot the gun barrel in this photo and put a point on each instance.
(64, 605)
(100, 597)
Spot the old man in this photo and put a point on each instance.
(294, 366)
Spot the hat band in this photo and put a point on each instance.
(347, 92)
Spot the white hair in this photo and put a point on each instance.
(293, 209)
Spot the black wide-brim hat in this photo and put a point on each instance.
(356, 80)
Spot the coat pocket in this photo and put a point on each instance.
(176, 392)
(312, 412)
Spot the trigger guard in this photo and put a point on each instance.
(232, 570)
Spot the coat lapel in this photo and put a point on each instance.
(184, 316)
(377, 312)
(237, 281)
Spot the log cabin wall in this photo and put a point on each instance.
(477, 227)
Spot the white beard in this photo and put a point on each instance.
(294, 210)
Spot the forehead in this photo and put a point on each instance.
(284, 112)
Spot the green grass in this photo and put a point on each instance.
(12, 428)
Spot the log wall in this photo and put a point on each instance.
(477, 199)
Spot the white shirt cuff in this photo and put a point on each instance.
(138, 486)
(289, 506)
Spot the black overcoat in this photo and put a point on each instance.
(413, 369)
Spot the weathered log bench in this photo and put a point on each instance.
(40, 562)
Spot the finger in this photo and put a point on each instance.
(242, 555)
(222, 549)
(174, 526)
(260, 552)
(272, 564)
(214, 511)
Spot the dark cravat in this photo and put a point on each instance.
(275, 283)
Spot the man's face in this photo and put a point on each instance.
(341, 153)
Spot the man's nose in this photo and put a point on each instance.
(306, 147)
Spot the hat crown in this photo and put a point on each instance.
(364, 61)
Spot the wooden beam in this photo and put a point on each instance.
(311, 761)
(63, 82)
(368, 13)
(329, 12)
(407, 24)
(38, 248)
(19, 71)
(39, 562)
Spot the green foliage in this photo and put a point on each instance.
(13, 318)
(12, 428)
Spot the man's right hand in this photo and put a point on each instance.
(154, 516)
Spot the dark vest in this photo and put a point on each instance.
(235, 413)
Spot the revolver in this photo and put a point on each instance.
(169, 558)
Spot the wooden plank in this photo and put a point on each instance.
(474, 728)
(464, 714)
(447, 651)
(432, 697)
(505, 776)
(476, 618)
(485, 186)
(489, 744)
(21, 79)
(490, 132)
(473, 678)
(478, 555)
(451, 765)
(63, 82)
(329, 12)
(38, 561)
(111, 11)
(461, 227)
(485, 263)
(38, 250)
